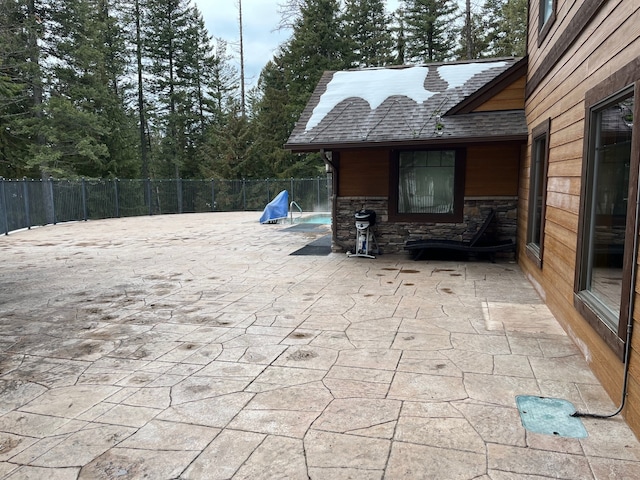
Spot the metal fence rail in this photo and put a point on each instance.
(26, 203)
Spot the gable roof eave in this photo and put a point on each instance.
(506, 78)
(404, 144)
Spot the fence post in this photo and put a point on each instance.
(3, 197)
(179, 192)
(244, 195)
(292, 196)
(318, 189)
(268, 192)
(52, 202)
(25, 196)
(84, 199)
(117, 196)
(148, 185)
(213, 195)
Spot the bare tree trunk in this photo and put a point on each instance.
(36, 78)
(141, 116)
(468, 32)
(34, 58)
(242, 92)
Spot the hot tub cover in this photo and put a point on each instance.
(276, 209)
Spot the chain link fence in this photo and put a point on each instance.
(26, 203)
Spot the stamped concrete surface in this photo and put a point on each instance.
(196, 347)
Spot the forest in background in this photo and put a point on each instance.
(141, 89)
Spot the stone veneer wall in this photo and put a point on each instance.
(392, 236)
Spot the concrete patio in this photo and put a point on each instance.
(197, 347)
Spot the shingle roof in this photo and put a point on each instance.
(400, 105)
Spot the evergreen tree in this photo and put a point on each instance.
(399, 37)
(231, 146)
(430, 30)
(473, 36)
(195, 68)
(367, 33)
(81, 125)
(16, 89)
(317, 44)
(135, 22)
(191, 85)
(223, 83)
(121, 141)
(506, 27)
(166, 35)
(67, 72)
(274, 118)
(215, 152)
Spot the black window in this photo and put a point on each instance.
(538, 191)
(546, 17)
(603, 282)
(427, 185)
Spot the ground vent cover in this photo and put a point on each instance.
(549, 416)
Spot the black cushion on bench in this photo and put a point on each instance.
(477, 244)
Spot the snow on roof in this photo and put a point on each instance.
(376, 85)
(458, 75)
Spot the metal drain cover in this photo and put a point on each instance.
(549, 416)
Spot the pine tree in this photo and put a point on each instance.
(397, 30)
(473, 38)
(121, 140)
(274, 118)
(195, 68)
(222, 103)
(430, 30)
(79, 131)
(367, 33)
(16, 86)
(224, 81)
(136, 41)
(235, 144)
(190, 87)
(166, 34)
(317, 45)
(506, 27)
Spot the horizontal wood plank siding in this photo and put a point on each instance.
(608, 41)
(563, 17)
(613, 28)
(511, 98)
(492, 170)
(364, 173)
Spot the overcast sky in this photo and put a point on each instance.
(260, 19)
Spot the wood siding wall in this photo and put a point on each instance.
(492, 170)
(364, 172)
(609, 41)
(511, 98)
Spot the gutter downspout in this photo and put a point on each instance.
(331, 167)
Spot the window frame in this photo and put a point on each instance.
(538, 174)
(545, 27)
(597, 99)
(458, 194)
